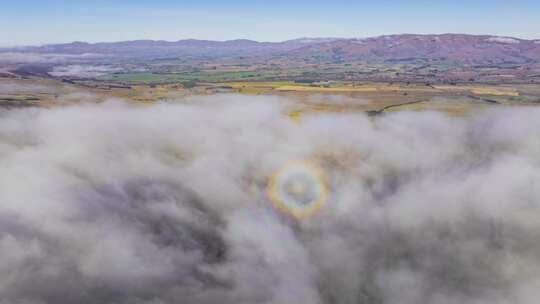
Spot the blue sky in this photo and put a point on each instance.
(27, 22)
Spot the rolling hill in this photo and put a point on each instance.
(457, 48)
(446, 48)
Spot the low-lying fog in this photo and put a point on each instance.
(161, 204)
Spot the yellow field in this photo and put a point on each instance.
(297, 88)
(480, 90)
(453, 108)
(268, 87)
(494, 91)
(330, 97)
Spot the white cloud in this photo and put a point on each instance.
(82, 71)
(505, 40)
(23, 57)
(113, 203)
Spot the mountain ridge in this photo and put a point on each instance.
(458, 48)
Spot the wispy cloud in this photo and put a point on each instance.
(113, 203)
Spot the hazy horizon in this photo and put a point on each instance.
(45, 22)
(261, 41)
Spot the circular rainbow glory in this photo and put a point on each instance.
(299, 189)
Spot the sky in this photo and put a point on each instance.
(33, 22)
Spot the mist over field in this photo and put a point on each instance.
(25, 57)
(115, 203)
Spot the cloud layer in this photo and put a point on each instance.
(82, 71)
(114, 203)
(26, 57)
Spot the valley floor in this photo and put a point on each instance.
(371, 97)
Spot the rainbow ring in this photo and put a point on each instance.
(299, 189)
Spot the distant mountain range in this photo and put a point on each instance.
(455, 48)
(467, 49)
(160, 48)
